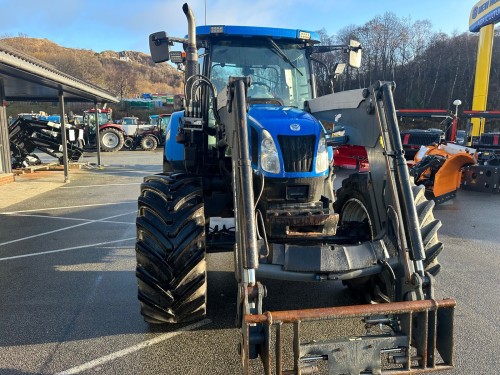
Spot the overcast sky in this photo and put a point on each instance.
(125, 24)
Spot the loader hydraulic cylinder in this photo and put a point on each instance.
(410, 216)
(237, 133)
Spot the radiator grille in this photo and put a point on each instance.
(298, 152)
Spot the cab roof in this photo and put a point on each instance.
(204, 32)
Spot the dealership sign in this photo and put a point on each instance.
(484, 13)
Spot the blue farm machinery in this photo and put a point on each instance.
(249, 148)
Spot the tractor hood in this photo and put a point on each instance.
(296, 135)
(283, 120)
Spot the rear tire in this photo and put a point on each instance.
(170, 249)
(111, 140)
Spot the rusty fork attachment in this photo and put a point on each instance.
(418, 338)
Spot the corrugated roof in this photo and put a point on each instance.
(29, 79)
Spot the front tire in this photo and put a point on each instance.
(170, 249)
(149, 143)
(355, 208)
(128, 143)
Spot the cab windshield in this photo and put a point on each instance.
(103, 118)
(278, 71)
(164, 121)
(129, 121)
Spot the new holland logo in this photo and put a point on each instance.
(295, 127)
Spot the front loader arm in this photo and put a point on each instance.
(369, 119)
(420, 335)
(232, 110)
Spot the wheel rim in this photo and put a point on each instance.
(377, 288)
(148, 143)
(128, 142)
(110, 140)
(355, 210)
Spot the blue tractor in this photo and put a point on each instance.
(247, 169)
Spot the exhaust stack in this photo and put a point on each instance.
(192, 67)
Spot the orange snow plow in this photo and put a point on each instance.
(439, 169)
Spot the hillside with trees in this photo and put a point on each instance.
(430, 69)
(125, 74)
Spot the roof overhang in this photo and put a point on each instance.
(28, 79)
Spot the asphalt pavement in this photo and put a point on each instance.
(68, 293)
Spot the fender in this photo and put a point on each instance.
(173, 151)
(109, 125)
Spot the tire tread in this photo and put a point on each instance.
(170, 249)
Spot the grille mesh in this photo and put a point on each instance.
(298, 152)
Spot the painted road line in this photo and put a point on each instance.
(64, 228)
(71, 218)
(66, 207)
(48, 217)
(87, 186)
(66, 249)
(132, 349)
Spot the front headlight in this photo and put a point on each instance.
(269, 160)
(322, 156)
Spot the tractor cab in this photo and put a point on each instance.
(276, 60)
(278, 64)
(103, 117)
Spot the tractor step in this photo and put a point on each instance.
(417, 337)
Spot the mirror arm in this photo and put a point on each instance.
(330, 76)
(170, 40)
(173, 40)
(324, 49)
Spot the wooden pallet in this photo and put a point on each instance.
(46, 167)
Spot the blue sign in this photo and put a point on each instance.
(484, 13)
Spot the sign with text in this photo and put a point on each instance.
(484, 13)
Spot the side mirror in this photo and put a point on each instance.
(354, 54)
(159, 45)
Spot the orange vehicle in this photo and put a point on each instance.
(439, 169)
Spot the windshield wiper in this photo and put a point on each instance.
(282, 54)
